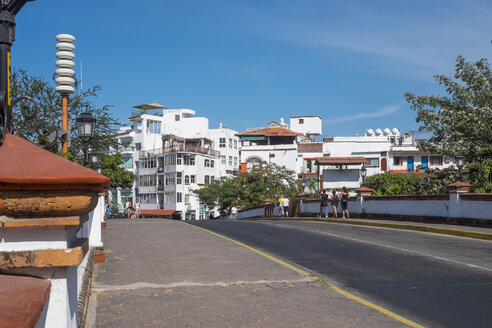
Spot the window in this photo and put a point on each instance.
(436, 160)
(192, 161)
(170, 160)
(222, 142)
(212, 179)
(230, 143)
(207, 179)
(207, 163)
(148, 163)
(192, 178)
(127, 162)
(177, 117)
(187, 198)
(179, 197)
(153, 127)
(138, 146)
(179, 160)
(253, 162)
(301, 121)
(170, 197)
(187, 179)
(310, 165)
(179, 178)
(235, 161)
(148, 180)
(170, 179)
(235, 144)
(230, 160)
(147, 198)
(212, 163)
(397, 161)
(222, 160)
(373, 162)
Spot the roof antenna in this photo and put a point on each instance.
(338, 128)
(81, 80)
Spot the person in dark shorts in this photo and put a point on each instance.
(344, 197)
(323, 206)
(334, 202)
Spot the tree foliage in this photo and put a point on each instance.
(461, 121)
(111, 167)
(250, 188)
(37, 126)
(48, 117)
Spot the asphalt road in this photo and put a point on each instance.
(434, 280)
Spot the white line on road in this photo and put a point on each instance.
(387, 246)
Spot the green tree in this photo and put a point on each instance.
(394, 184)
(250, 188)
(37, 126)
(461, 121)
(111, 167)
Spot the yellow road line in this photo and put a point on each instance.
(259, 252)
(372, 305)
(332, 287)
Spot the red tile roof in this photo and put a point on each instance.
(340, 160)
(269, 132)
(158, 212)
(24, 164)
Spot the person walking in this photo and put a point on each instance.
(281, 205)
(323, 205)
(344, 197)
(234, 213)
(128, 206)
(334, 202)
(285, 206)
(137, 209)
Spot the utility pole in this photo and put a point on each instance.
(8, 10)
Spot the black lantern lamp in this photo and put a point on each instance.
(460, 162)
(95, 157)
(363, 174)
(86, 125)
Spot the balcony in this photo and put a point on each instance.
(180, 149)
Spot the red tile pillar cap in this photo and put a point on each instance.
(460, 187)
(364, 191)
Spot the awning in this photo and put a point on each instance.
(253, 138)
(150, 106)
(341, 160)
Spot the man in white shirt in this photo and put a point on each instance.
(285, 205)
(234, 213)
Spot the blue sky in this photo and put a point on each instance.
(246, 63)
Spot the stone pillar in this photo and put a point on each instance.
(267, 208)
(455, 189)
(300, 207)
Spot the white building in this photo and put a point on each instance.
(173, 152)
(278, 142)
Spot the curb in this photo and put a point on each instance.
(442, 231)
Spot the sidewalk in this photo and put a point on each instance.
(163, 273)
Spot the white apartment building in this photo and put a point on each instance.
(173, 152)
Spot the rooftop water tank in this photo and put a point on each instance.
(395, 132)
(378, 132)
(369, 132)
(386, 132)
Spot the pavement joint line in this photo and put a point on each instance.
(371, 305)
(330, 286)
(401, 226)
(141, 285)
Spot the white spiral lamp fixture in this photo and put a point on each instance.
(65, 74)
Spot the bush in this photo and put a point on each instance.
(396, 184)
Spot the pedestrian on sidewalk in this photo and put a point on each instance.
(137, 209)
(323, 205)
(234, 213)
(281, 205)
(128, 206)
(285, 205)
(344, 197)
(334, 199)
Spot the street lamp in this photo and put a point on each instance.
(94, 156)
(86, 126)
(363, 174)
(460, 162)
